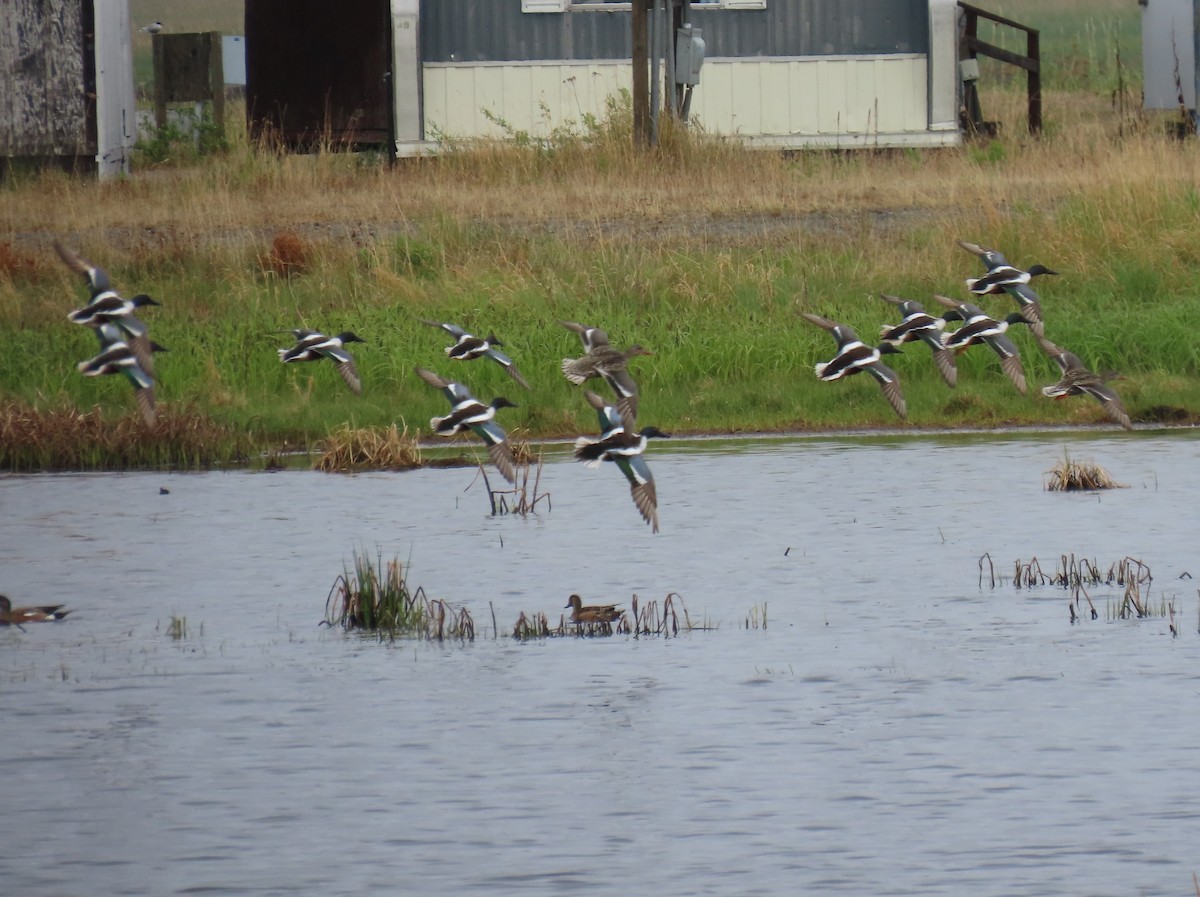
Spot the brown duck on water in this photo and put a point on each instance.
(592, 613)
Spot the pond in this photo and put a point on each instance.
(896, 728)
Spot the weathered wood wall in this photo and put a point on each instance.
(44, 79)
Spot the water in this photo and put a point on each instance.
(895, 730)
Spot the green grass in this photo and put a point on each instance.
(730, 354)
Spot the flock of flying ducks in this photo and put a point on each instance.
(978, 328)
(126, 348)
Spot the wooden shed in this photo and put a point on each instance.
(66, 84)
(776, 73)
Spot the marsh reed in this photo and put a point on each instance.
(61, 437)
(1070, 475)
(375, 597)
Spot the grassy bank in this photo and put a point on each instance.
(702, 252)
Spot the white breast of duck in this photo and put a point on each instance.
(978, 327)
(913, 327)
(851, 357)
(468, 347)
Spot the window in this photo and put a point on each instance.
(611, 5)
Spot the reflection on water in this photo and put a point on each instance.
(895, 730)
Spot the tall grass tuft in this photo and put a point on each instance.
(348, 449)
(375, 597)
(1069, 475)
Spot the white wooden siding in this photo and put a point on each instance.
(824, 100)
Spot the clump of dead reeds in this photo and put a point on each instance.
(350, 449)
(665, 620)
(64, 438)
(1077, 575)
(290, 254)
(375, 597)
(1070, 475)
(523, 497)
(532, 626)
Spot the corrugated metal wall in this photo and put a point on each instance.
(497, 30)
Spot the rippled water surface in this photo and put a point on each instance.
(896, 729)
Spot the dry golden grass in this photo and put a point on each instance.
(1069, 475)
(61, 437)
(349, 449)
(248, 196)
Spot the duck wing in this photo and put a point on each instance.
(591, 337)
(350, 374)
(145, 402)
(641, 487)
(943, 358)
(580, 370)
(507, 363)
(889, 382)
(453, 330)
(626, 390)
(500, 454)
(1109, 400)
(455, 392)
(989, 257)
(1010, 359)
(97, 277)
(1030, 305)
(610, 416)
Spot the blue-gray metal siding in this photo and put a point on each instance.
(497, 30)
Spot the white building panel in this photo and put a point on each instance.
(116, 116)
(837, 100)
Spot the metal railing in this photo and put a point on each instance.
(973, 47)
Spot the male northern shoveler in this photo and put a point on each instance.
(620, 443)
(15, 616)
(105, 304)
(312, 345)
(977, 328)
(918, 324)
(853, 356)
(592, 613)
(468, 347)
(1077, 380)
(1003, 277)
(468, 413)
(117, 356)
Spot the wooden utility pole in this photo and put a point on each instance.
(641, 76)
